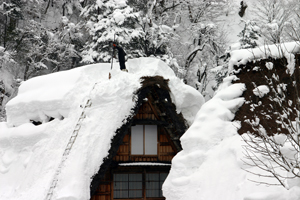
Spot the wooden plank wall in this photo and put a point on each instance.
(104, 190)
(145, 112)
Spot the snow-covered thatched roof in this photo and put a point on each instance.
(275, 51)
(211, 166)
(31, 154)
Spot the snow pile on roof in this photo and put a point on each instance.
(286, 50)
(30, 155)
(210, 165)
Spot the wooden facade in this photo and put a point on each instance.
(165, 149)
(133, 174)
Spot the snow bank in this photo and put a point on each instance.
(195, 171)
(30, 155)
(210, 165)
(286, 50)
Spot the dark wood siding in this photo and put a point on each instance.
(104, 190)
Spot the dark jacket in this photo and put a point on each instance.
(121, 54)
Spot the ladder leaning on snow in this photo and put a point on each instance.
(69, 145)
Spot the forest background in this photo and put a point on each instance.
(194, 37)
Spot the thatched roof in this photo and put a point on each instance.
(281, 103)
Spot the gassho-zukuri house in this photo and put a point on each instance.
(95, 133)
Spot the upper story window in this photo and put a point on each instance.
(144, 140)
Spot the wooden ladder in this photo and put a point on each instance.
(69, 146)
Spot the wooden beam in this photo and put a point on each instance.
(154, 108)
(150, 122)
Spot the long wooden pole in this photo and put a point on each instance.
(113, 52)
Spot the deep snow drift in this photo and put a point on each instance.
(210, 165)
(30, 155)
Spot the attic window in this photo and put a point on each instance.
(144, 140)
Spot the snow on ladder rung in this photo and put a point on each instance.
(80, 120)
(54, 183)
(58, 171)
(77, 127)
(73, 137)
(69, 145)
(66, 153)
(75, 133)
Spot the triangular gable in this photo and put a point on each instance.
(153, 105)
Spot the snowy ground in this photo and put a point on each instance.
(30, 155)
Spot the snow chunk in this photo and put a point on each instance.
(261, 90)
(118, 17)
(269, 65)
(291, 63)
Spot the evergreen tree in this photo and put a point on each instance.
(107, 21)
(249, 35)
(155, 32)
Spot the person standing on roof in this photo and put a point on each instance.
(121, 55)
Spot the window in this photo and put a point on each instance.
(130, 186)
(154, 183)
(144, 140)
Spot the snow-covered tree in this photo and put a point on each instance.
(10, 13)
(249, 35)
(107, 22)
(293, 26)
(37, 45)
(9, 72)
(155, 31)
(273, 16)
(202, 39)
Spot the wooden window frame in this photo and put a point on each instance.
(144, 189)
(144, 141)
